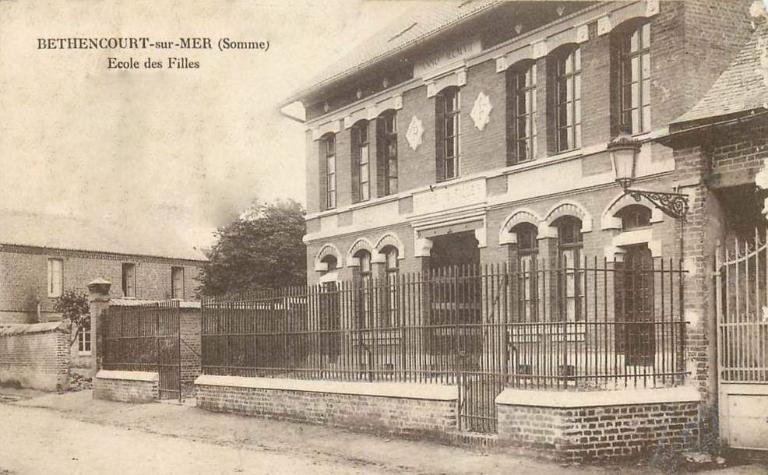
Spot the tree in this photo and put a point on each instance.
(73, 306)
(262, 249)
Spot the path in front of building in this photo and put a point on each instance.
(71, 433)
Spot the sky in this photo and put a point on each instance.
(185, 150)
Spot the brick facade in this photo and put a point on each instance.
(386, 412)
(681, 32)
(126, 386)
(23, 280)
(35, 356)
(691, 45)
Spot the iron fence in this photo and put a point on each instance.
(593, 325)
(145, 337)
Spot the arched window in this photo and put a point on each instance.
(328, 149)
(521, 113)
(527, 251)
(447, 127)
(386, 150)
(391, 268)
(634, 216)
(633, 46)
(361, 187)
(566, 90)
(571, 289)
(363, 280)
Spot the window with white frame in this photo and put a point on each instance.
(567, 95)
(521, 112)
(55, 279)
(84, 340)
(177, 282)
(361, 174)
(386, 146)
(634, 48)
(129, 279)
(392, 271)
(448, 113)
(569, 238)
(527, 251)
(329, 156)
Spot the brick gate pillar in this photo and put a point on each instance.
(699, 236)
(98, 303)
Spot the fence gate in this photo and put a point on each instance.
(145, 337)
(741, 268)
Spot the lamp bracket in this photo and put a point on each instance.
(672, 204)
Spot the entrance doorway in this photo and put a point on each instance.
(636, 337)
(455, 250)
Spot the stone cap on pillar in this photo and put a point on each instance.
(99, 287)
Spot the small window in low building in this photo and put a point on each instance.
(84, 341)
(129, 279)
(55, 280)
(177, 282)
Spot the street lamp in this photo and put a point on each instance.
(624, 151)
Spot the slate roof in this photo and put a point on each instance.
(69, 233)
(418, 24)
(742, 87)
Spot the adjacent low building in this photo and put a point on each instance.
(41, 256)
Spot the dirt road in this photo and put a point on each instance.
(36, 441)
(74, 434)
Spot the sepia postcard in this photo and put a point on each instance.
(383, 236)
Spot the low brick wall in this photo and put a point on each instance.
(577, 427)
(35, 356)
(126, 386)
(399, 408)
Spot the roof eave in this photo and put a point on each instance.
(303, 93)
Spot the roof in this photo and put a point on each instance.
(71, 233)
(419, 23)
(742, 87)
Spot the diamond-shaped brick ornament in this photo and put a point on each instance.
(415, 133)
(481, 111)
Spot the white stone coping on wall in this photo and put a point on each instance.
(26, 328)
(131, 302)
(433, 392)
(573, 399)
(146, 376)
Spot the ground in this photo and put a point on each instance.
(72, 433)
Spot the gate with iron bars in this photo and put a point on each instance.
(145, 337)
(741, 273)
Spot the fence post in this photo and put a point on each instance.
(98, 302)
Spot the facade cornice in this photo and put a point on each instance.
(535, 43)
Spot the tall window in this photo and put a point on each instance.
(635, 79)
(448, 126)
(364, 281)
(568, 99)
(177, 282)
(84, 341)
(129, 280)
(329, 155)
(361, 187)
(55, 281)
(521, 113)
(571, 288)
(391, 268)
(386, 130)
(527, 251)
